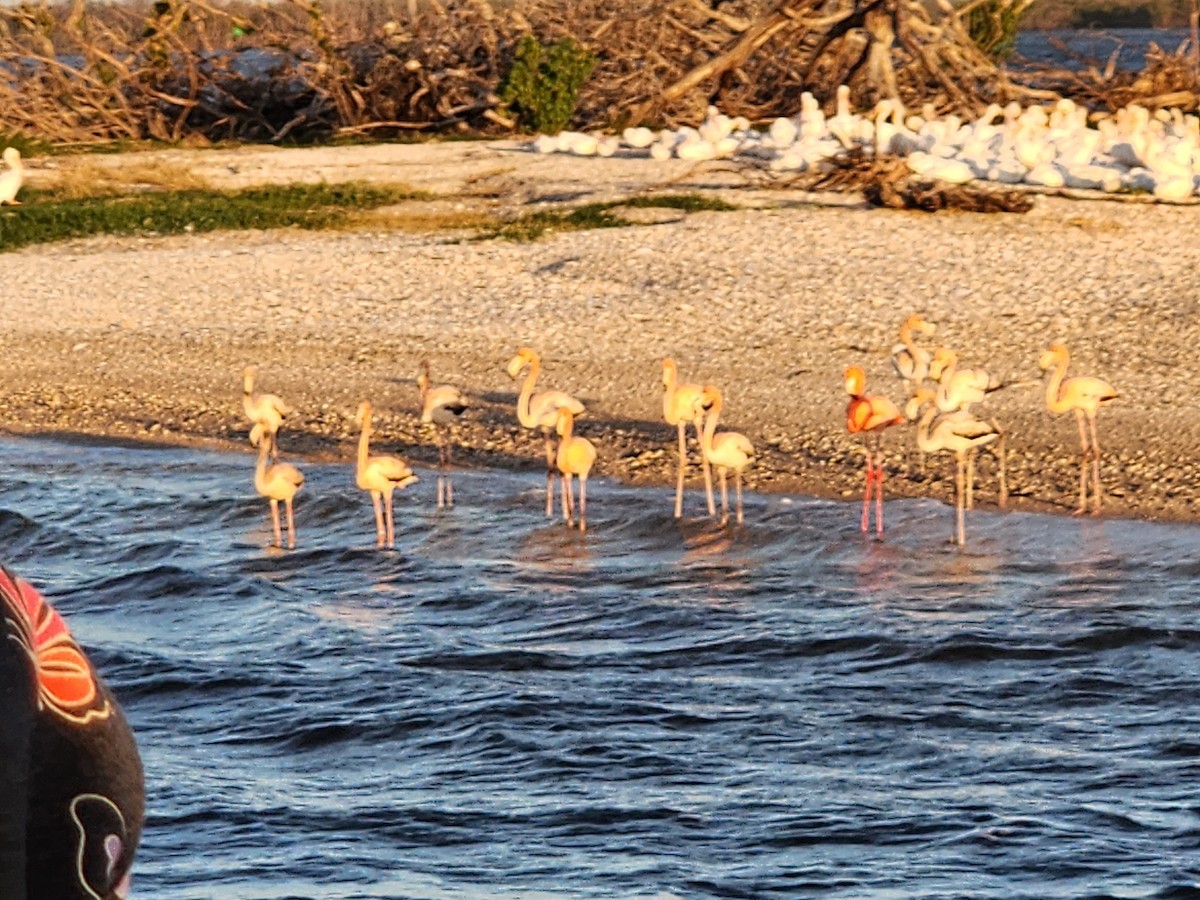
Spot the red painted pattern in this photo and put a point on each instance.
(66, 684)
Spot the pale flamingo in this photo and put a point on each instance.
(957, 391)
(724, 451)
(12, 177)
(278, 481)
(380, 475)
(910, 361)
(958, 433)
(540, 410)
(679, 408)
(441, 406)
(1083, 394)
(575, 457)
(266, 410)
(869, 415)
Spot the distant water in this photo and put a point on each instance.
(1073, 48)
(501, 708)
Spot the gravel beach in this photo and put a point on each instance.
(146, 338)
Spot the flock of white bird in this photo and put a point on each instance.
(1135, 149)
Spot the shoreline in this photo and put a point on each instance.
(145, 338)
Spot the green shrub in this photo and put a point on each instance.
(542, 88)
(993, 26)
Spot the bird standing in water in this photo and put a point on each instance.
(575, 457)
(277, 481)
(266, 410)
(679, 408)
(540, 410)
(441, 406)
(379, 476)
(1083, 394)
(869, 415)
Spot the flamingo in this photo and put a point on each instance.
(910, 361)
(679, 408)
(266, 410)
(380, 475)
(869, 415)
(957, 391)
(958, 433)
(574, 458)
(441, 406)
(540, 410)
(277, 481)
(10, 180)
(724, 451)
(1083, 394)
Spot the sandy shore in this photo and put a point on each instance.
(146, 338)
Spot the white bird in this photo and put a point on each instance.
(441, 406)
(11, 178)
(380, 476)
(277, 482)
(540, 410)
(266, 410)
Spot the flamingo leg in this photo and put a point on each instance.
(275, 523)
(737, 480)
(1096, 490)
(441, 481)
(724, 496)
(1083, 463)
(377, 499)
(549, 475)
(291, 524)
(708, 483)
(878, 492)
(387, 512)
(566, 509)
(449, 482)
(866, 510)
(1002, 456)
(971, 480)
(582, 504)
(569, 488)
(682, 463)
(959, 487)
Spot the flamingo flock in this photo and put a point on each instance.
(941, 402)
(941, 398)
(1136, 149)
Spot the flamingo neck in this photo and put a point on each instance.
(924, 442)
(260, 470)
(1053, 400)
(710, 425)
(364, 442)
(568, 430)
(669, 384)
(523, 413)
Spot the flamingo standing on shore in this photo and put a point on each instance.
(12, 178)
(910, 361)
(1083, 394)
(265, 410)
(679, 408)
(441, 406)
(575, 457)
(380, 476)
(958, 433)
(724, 451)
(868, 415)
(278, 481)
(540, 410)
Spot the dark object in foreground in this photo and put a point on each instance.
(71, 786)
(932, 196)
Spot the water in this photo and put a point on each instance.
(502, 708)
(1095, 46)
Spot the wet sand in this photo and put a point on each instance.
(146, 338)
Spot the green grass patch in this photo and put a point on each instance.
(598, 215)
(42, 218)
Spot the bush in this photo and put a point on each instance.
(542, 88)
(993, 26)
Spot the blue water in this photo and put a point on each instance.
(1076, 48)
(503, 708)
